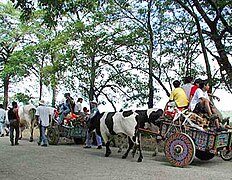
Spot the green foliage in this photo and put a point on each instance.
(112, 47)
(21, 97)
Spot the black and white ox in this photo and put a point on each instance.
(27, 119)
(126, 122)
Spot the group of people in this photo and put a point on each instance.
(43, 117)
(12, 115)
(69, 106)
(195, 97)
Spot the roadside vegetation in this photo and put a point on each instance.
(115, 51)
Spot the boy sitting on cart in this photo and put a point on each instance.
(201, 104)
(177, 98)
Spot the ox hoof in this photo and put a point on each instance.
(139, 160)
(31, 140)
(107, 154)
(124, 156)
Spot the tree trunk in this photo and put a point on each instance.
(53, 96)
(150, 63)
(207, 65)
(6, 91)
(92, 79)
(222, 60)
(40, 88)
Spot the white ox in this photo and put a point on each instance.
(127, 123)
(27, 119)
(113, 123)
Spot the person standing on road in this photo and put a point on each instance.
(2, 120)
(43, 116)
(93, 110)
(13, 117)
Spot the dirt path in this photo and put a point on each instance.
(28, 161)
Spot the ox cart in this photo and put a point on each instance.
(185, 139)
(74, 127)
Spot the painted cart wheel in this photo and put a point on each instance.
(204, 156)
(53, 135)
(179, 149)
(226, 155)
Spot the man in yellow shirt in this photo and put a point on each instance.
(178, 95)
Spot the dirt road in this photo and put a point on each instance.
(28, 161)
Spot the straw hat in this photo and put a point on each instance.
(42, 102)
(94, 102)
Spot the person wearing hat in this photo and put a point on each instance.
(69, 102)
(43, 117)
(65, 108)
(93, 110)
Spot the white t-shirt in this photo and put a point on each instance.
(78, 107)
(187, 88)
(197, 98)
(2, 115)
(43, 112)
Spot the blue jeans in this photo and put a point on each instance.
(43, 136)
(2, 127)
(88, 141)
(64, 113)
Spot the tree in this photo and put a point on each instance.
(11, 34)
(217, 26)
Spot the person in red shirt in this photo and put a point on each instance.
(193, 89)
(13, 117)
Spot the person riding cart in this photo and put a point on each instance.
(66, 107)
(201, 104)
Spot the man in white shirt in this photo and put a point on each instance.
(187, 86)
(201, 103)
(2, 120)
(43, 116)
(78, 106)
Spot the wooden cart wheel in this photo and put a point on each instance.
(179, 149)
(205, 156)
(226, 155)
(53, 135)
